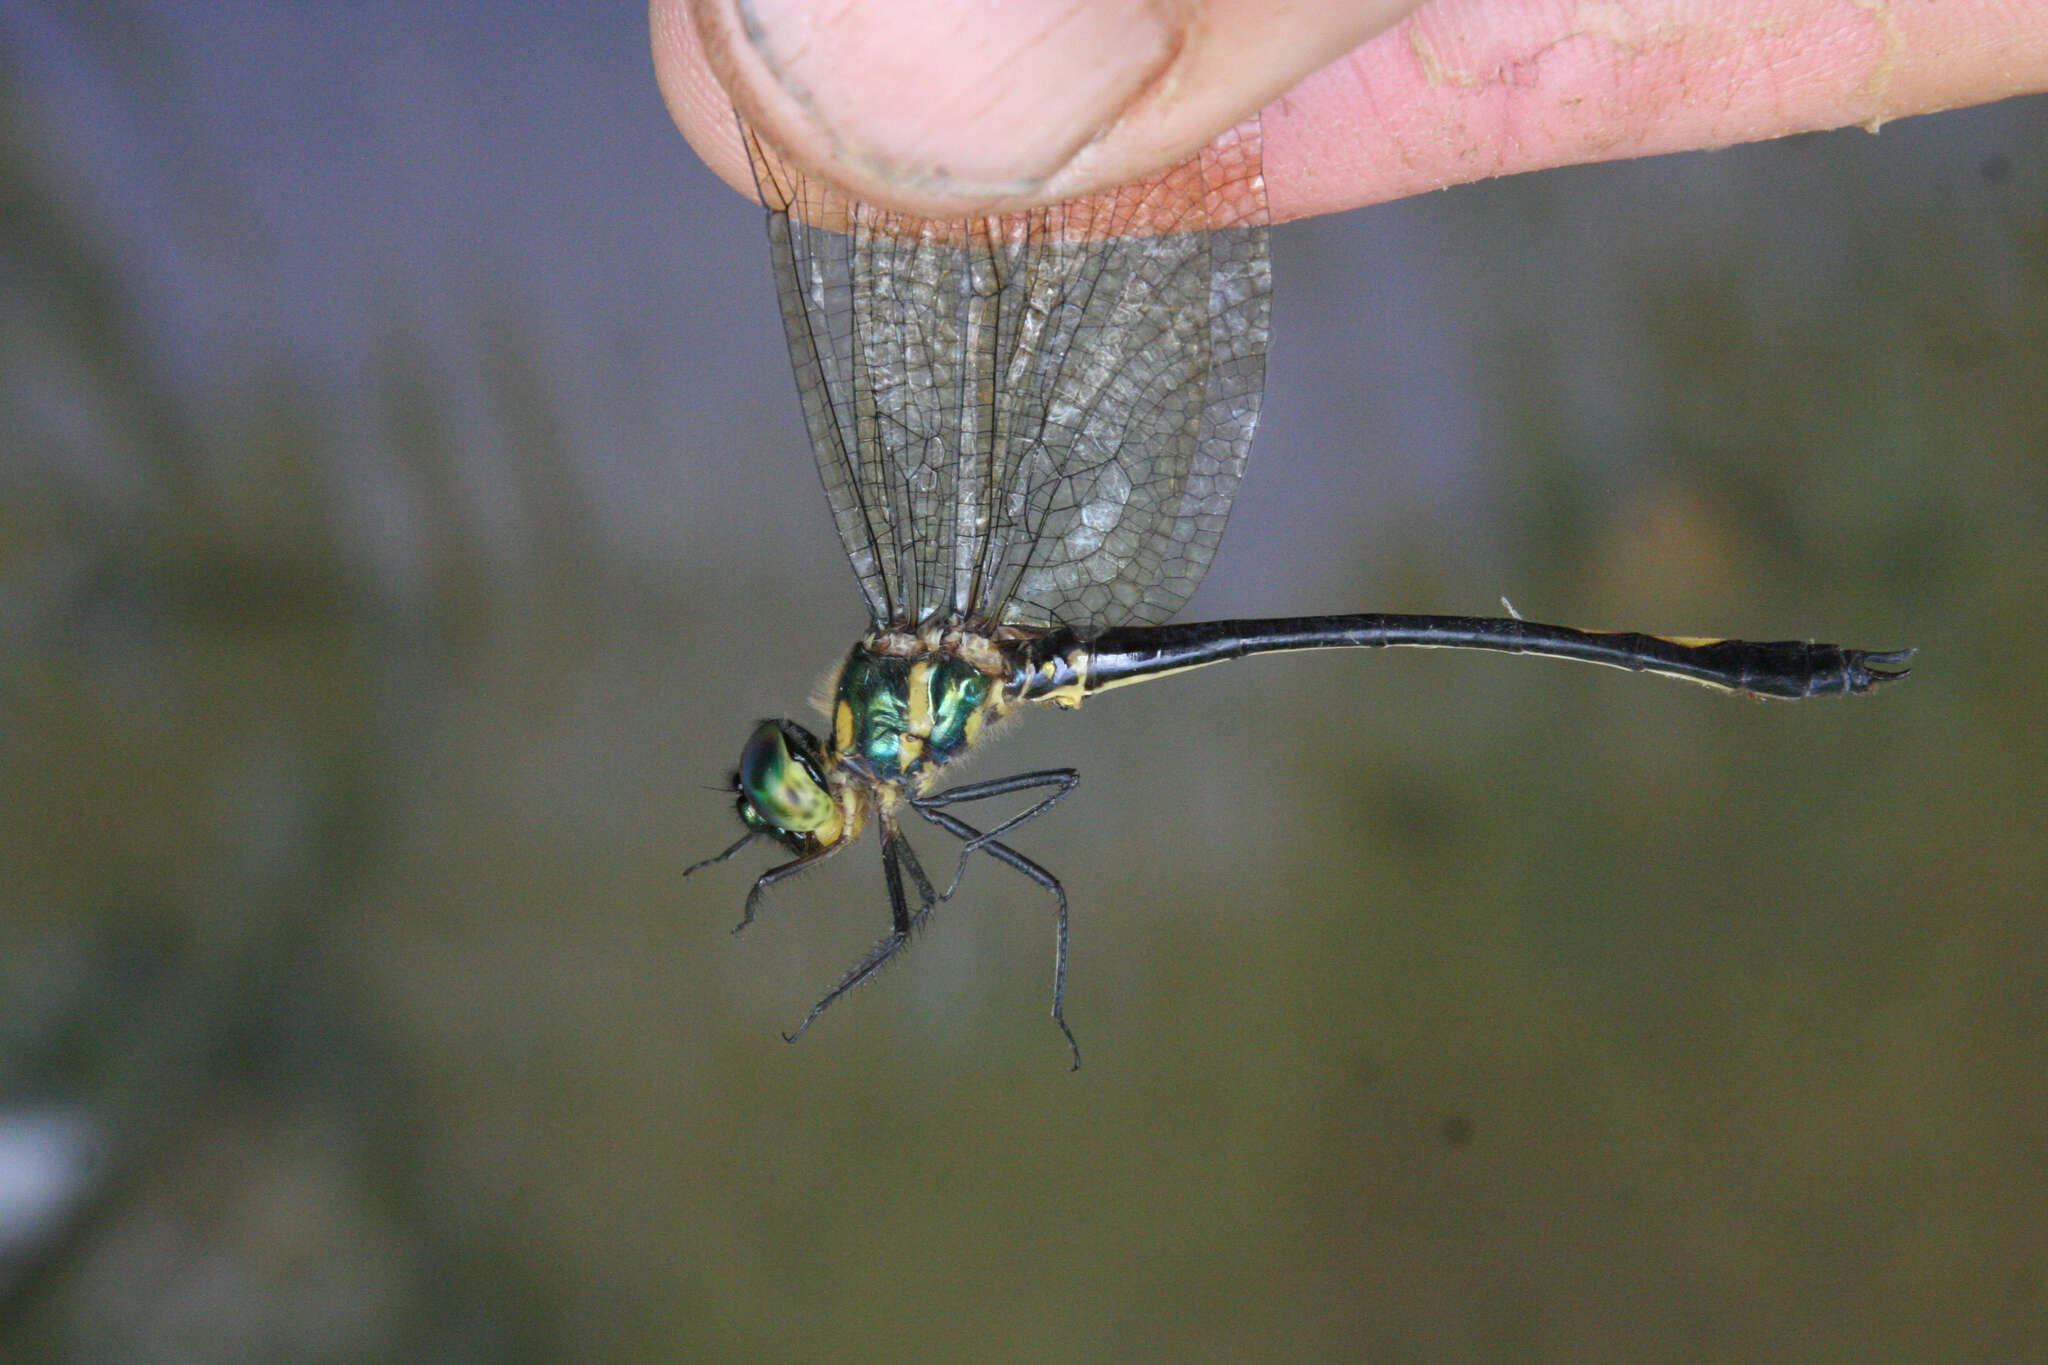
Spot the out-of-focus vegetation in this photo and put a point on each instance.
(1434, 1007)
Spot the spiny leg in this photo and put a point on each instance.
(960, 829)
(896, 856)
(738, 844)
(1066, 779)
(927, 897)
(769, 878)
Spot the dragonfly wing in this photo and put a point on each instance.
(1037, 418)
(814, 280)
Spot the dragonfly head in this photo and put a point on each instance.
(781, 788)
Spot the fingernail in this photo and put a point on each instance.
(962, 95)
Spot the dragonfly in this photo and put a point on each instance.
(1030, 427)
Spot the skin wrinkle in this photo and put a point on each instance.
(1879, 83)
(1712, 84)
(1187, 23)
(1433, 72)
(1762, 74)
(1357, 71)
(1524, 73)
(776, 64)
(1521, 72)
(1786, 72)
(1161, 86)
(994, 92)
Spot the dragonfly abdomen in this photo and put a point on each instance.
(1789, 669)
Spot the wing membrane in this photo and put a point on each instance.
(1034, 419)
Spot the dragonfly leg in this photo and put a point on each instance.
(761, 885)
(1066, 779)
(738, 844)
(1003, 853)
(772, 876)
(897, 856)
(926, 897)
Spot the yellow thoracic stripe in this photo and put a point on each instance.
(919, 699)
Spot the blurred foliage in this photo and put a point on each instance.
(213, 710)
(1433, 1009)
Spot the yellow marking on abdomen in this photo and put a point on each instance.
(1156, 674)
(1068, 695)
(1682, 641)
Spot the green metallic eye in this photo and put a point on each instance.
(783, 787)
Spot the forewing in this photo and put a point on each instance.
(1038, 418)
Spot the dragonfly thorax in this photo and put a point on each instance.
(899, 714)
(904, 705)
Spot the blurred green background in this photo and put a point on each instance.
(404, 514)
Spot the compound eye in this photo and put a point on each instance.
(781, 787)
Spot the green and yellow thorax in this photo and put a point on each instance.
(897, 717)
(905, 705)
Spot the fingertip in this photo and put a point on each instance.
(923, 107)
(954, 98)
(695, 96)
(957, 108)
